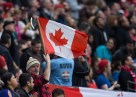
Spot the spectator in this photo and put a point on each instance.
(40, 81)
(61, 71)
(116, 68)
(122, 31)
(132, 18)
(115, 7)
(95, 67)
(34, 51)
(126, 50)
(5, 44)
(105, 51)
(58, 93)
(10, 83)
(112, 25)
(102, 80)
(46, 9)
(60, 14)
(26, 85)
(132, 33)
(75, 8)
(90, 82)
(98, 32)
(127, 75)
(81, 69)
(9, 28)
(33, 5)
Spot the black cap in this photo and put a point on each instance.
(7, 23)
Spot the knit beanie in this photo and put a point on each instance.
(2, 62)
(31, 62)
(103, 63)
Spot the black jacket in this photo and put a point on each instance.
(123, 79)
(80, 71)
(122, 51)
(122, 37)
(22, 93)
(14, 47)
(98, 35)
(5, 52)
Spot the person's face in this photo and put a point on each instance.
(115, 22)
(13, 82)
(101, 22)
(102, 15)
(1, 25)
(37, 47)
(35, 4)
(31, 84)
(133, 19)
(108, 12)
(116, 7)
(108, 69)
(129, 61)
(130, 46)
(18, 16)
(48, 4)
(10, 27)
(110, 44)
(91, 39)
(125, 22)
(34, 69)
(96, 63)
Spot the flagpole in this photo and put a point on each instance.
(38, 26)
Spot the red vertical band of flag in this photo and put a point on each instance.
(79, 43)
(42, 26)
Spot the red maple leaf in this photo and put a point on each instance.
(57, 38)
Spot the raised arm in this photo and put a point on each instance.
(47, 70)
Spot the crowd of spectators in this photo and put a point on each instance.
(109, 61)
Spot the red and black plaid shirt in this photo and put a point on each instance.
(40, 86)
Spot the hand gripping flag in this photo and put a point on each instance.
(62, 40)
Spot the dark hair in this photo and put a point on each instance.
(96, 19)
(5, 38)
(6, 77)
(124, 58)
(83, 26)
(24, 77)
(35, 41)
(2, 71)
(57, 92)
(116, 65)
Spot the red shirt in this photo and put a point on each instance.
(40, 86)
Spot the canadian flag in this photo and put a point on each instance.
(89, 92)
(62, 40)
